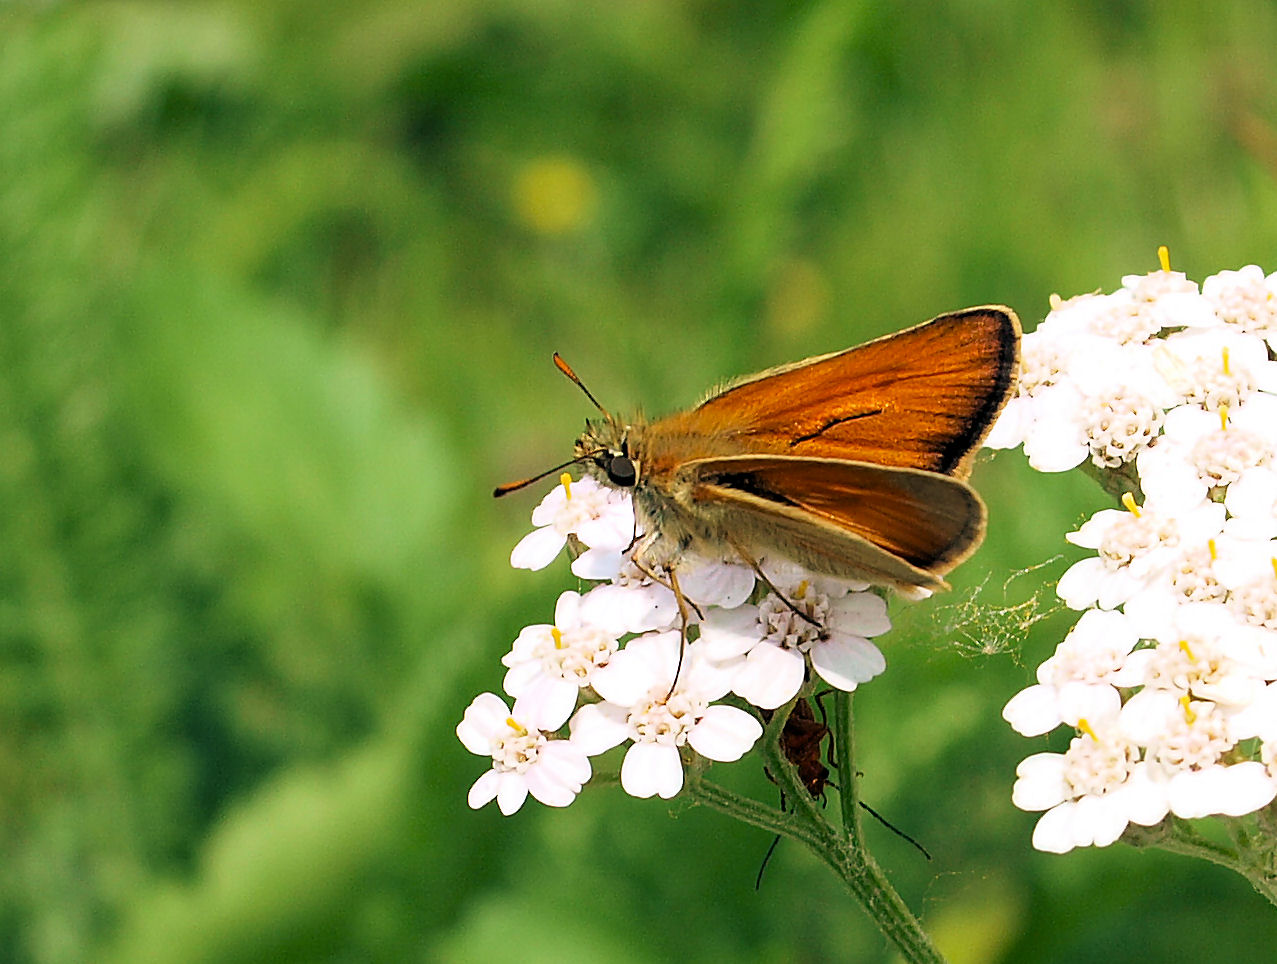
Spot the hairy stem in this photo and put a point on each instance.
(840, 847)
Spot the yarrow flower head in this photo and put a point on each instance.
(1169, 675)
(624, 662)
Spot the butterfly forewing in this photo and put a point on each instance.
(923, 398)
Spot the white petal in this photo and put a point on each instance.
(770, 677)
(646, 663)
(1232, 790)
(512, 790)
(597, 564)
(537, 549)
(547, 702)
(846, 661)
(1040, 782)
(1098, 821)
(597, 727)
(724, 733)
(554, 501)
(567, 610)
(484, 719)
(1080, 585)
(730, 632)
(629, 609)
(651, 769)
(520, 676)
(1033, 711)
(716, 583)
(1092, 702)
(484, 790)
(1008, 430)
(1145, 799)
(613, 530)
(860, 614)
(1054, 832)
(557, 776)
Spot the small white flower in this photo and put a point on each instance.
(1215, 368)
(662, 706)
(1244, 299)
(550, 665)
(1080, 681)
(601, 517)
(1203, 653)
(835, 634)
(1109, 410)
(636, 603)
(524, 759)
(1202, 451)
(1136, 547)
(1090, 793)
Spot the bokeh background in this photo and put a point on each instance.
(279, 284)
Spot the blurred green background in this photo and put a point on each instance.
(279, 284)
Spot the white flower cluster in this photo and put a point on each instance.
(617, 652)
(1170, 674)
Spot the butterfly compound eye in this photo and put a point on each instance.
(620, 469)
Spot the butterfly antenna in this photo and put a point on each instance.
(564, 367)
(509, 487)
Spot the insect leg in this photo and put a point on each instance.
(753, 564)
(668, 584)
(684, 618)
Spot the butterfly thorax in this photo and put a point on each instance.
(655, 467)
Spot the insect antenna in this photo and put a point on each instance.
(509, 487)
(564, 367)
(893, 828)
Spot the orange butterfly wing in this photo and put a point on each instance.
(922, 398)
(899, 524)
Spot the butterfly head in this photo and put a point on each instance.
(604, 450)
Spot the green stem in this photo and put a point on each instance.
(1178, 837)
(841, 848)
(845, 747)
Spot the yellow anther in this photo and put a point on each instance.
(1085, 727)
(1189, 715)
(515, 725)
(558, 636)
(566, 481)
(1225, 354)
(1188, 650)
(1274, 562)
(1128, 500)
(1210, 545)
(1223, 418)
(801, 591)
(1054, 301)
(1164, 256)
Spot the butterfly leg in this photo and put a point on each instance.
(753, 564)
(684, 619)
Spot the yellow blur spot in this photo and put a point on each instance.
(554, 196)
(1188, 650)
(1085, 727)
(798, 298)
(1128, 500)
(566, 480)
(1164, 256)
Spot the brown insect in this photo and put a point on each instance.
(853, 464)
